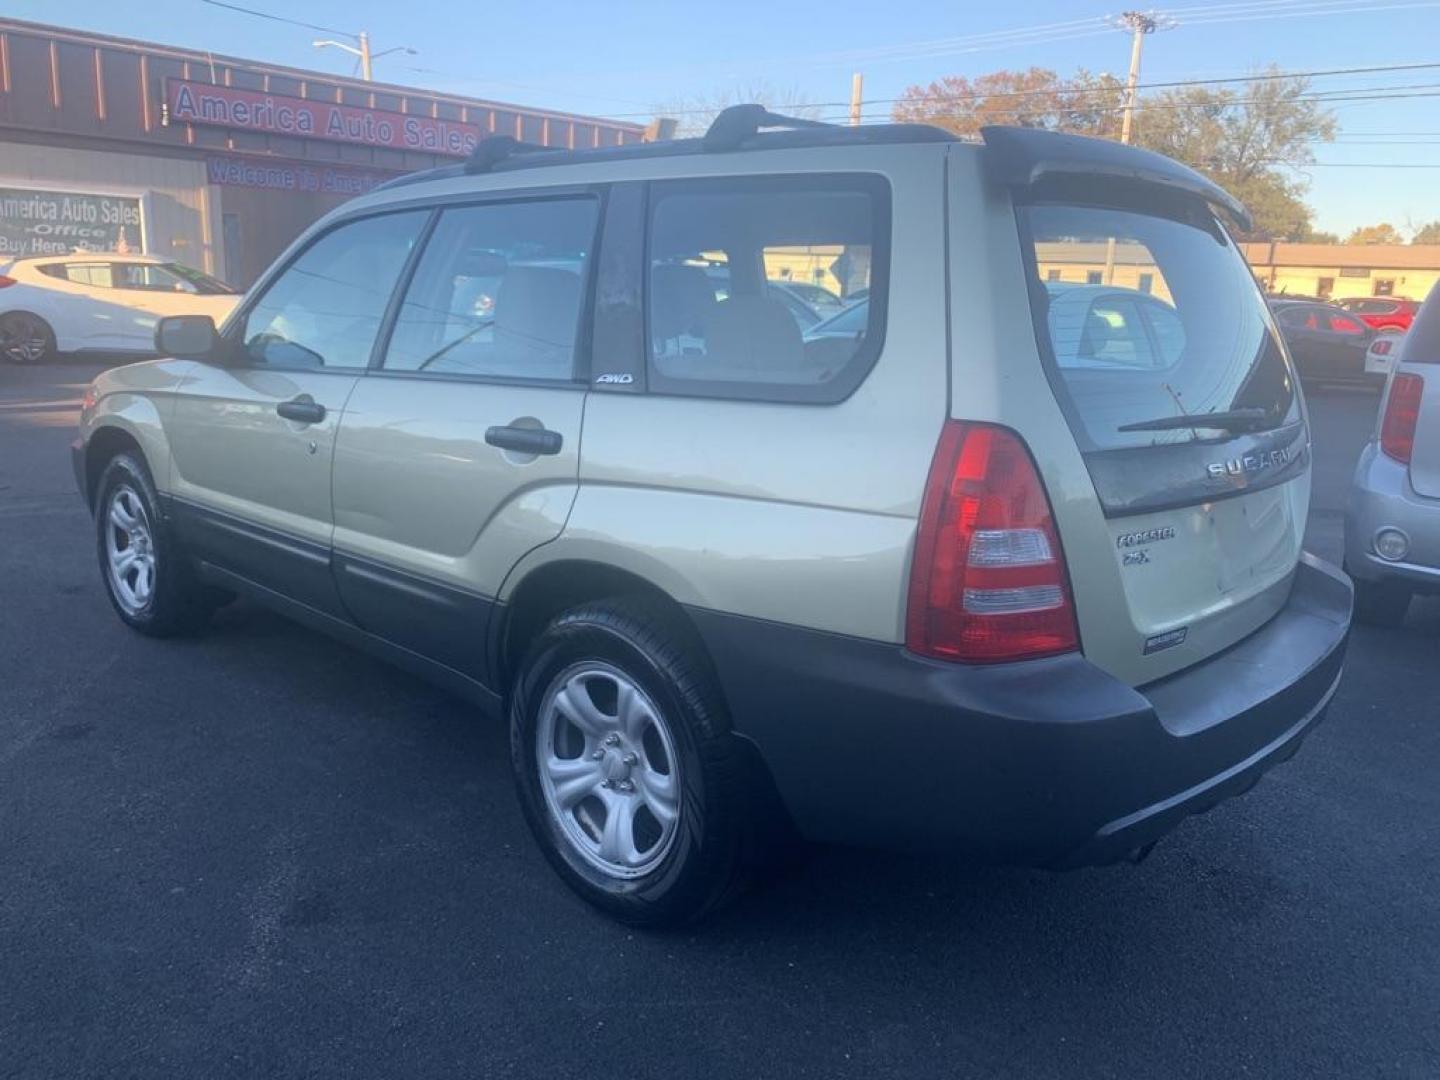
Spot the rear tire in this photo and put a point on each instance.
(626, 769)
(144, 569)
(26, 338)
(1381, 603)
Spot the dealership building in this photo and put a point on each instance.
(109, 144)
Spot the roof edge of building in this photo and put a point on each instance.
(205, 57)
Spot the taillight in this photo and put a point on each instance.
(1381, 347)
(988, 582)
(1402, 410)
(6, 280)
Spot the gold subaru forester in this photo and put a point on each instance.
(857, 483)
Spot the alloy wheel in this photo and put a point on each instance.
(129, 550)
(608, 769)
(22, 338)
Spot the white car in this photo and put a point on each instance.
(1381, 355)
(99, 302)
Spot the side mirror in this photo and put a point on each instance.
(187, 337)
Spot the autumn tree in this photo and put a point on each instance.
(1427, 234)
(1384, 233)
(1314, 237)
(1241, 138)
(1085, 104)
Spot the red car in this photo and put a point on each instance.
(1382, 312)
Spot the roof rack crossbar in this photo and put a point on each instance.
(735, 125)
(490, 151)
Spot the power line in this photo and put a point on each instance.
(1192, 15)
(278, 18)
(1063, 88)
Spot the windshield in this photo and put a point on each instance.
(1148, 318)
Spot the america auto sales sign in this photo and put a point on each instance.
(191, 102)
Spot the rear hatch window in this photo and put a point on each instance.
(1162, 355)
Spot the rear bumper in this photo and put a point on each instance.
(1047, 762)
(1382, 497)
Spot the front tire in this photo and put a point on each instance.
(626, 769)
(26, 338)
(144, 569)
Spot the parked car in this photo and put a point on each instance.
(1392, 525)
(1328, 344)
(847, 324)
(1381, 355)
(1382, 312)
(820, 299)
(98, 303)
(951, 583)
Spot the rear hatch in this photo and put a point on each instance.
(1175, 385)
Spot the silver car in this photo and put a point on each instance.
(1392, 529)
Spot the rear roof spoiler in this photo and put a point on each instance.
(1020, 157)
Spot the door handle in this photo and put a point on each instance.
(302, 410)
(525, 440)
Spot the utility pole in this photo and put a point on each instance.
(365, 68)
(1137, 24)
(857, 97)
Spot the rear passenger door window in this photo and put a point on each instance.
(729, 266)
(499, 292)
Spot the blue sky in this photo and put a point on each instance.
(620, 59)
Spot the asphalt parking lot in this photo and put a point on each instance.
(258, 853)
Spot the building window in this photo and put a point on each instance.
(1147, 283)
(1384, 287)
(1324, 287)
(1094, 277)
(1052, 274)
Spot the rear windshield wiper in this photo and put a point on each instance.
(1230, 420)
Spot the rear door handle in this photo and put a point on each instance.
(525, 440)
(302, 410)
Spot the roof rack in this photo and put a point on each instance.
(490, 152)
(738, 123)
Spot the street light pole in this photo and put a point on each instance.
(365, 62)
(362, 51)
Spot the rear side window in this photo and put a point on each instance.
(743, 275)
(97, 275)
(498, 292)
(1146, 318)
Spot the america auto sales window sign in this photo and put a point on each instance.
(192, 102)
(36, 221)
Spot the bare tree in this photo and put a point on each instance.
(695, 113)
